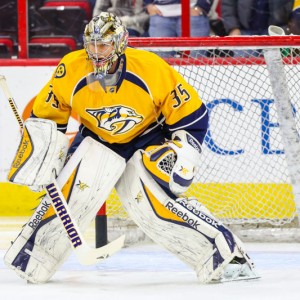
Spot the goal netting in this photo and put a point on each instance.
(249, 172)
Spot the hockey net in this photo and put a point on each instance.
(248, 174)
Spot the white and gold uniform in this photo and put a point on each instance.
(147, 102)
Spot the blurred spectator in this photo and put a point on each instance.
(217, 29)
(165, 19)
(253, 17)
(8, 18)
(215, 19)
(131, 12)
(294, 24)
(55, 21)
(8, 28)
(92, 4)
(38, 24)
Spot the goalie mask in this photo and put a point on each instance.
(105, 40)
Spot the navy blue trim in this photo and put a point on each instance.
(197, 129)
(229, 238)
(184, 122)
(84, 82)
(217, 258)
(123, 72)
(181, 181)
(81, 84)
(22, 259)
(137, 81)
(62, 127)
(159, 153)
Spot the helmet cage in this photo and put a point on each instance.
(102, 59)
(105, 30)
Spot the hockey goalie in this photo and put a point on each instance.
(142, 129)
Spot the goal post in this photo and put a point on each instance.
(288, 126)
(249, 173)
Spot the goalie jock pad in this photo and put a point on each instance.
(87, 180)
(183, 226)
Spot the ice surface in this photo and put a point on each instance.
(149, 272)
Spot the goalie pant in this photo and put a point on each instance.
(183, 226)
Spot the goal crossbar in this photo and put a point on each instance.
(217, 42)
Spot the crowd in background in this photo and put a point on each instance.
(162, 18)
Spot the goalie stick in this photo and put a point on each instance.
(11, 100)
(85, 254)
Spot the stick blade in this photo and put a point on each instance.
(91, 256)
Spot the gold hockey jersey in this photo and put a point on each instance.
(148, 92)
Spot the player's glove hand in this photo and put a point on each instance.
(173, 163)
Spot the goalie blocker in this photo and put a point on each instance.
(183, 226)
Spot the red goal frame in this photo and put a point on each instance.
(189, 42)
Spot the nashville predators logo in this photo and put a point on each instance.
(116, 119)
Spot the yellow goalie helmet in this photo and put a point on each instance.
(105, 40)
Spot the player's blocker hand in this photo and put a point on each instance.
(173, 164)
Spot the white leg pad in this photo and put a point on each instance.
(173, 234)
(42, 246)
(187, 230)
(36, 255)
